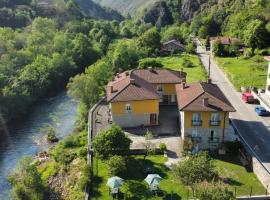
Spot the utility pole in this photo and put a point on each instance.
(209, 64)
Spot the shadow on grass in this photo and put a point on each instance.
(172, 197)
(136, 168)
(95, 186)
(228, 158)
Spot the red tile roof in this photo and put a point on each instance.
(192, 97)
(137, 84)
(225, 40)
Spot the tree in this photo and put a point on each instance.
(26, 181)
(117, 165)
(218, 48)
(149, 42)
(195, 169)
(149, 62)
(172, 33)
(255, 35)
(111, 142)
(210, 191)
(190, 48)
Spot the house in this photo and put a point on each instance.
(134, 96)
(171, 47)
(267, 90)
(226, 41)
(203, 114)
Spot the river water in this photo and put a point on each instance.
(25, 138)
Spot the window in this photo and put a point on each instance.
(212, 135)
(128, 108)
(196, 119)
(196, 116)
(215, 120)
(173, 99)
(194, 133)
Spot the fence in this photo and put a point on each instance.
(90, 137)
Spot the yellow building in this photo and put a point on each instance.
(203, 114)
(134, 96)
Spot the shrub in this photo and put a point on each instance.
(149, 62)
(187, 63)
(162, 147)
(195, 169)
(117, 165)
(233, 147)
(191, 48)
(111, 142)
(85, 177)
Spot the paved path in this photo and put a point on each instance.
(254, 129)
(172, 143)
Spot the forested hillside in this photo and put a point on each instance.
(126, 6)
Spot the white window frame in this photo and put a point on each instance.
(196, 116)
(215, 117)
(159, 88)
(128, 108)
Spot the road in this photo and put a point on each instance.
(253, 129)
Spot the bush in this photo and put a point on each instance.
(233, 147)
(187, 63)
(117, 165)
(162, 147)
(195, 169)
(149, 62)
(85, 178)
(111, 142)
(191, 48)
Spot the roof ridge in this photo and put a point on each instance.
(193, 100)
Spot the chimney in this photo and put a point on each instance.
(151, 69)
(118, 75)
(205, 102)
(127, 73)
(132, 81)
(111, 89)
(183, 86)
(209, 81)
(113, 78)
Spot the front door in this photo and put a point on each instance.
(153, 119)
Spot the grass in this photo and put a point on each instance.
(194, 73)
(244, 72)
(228, 167)
(240, 179)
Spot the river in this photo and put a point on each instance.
(25, 138)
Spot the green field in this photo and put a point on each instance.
(232, 170)
(194, 73)
(244, 72)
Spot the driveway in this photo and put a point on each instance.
(254, 129)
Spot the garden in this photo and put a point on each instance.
(200, 176)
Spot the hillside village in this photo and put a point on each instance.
(172, 97)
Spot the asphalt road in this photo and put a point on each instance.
(253, 129)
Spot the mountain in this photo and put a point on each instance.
(94, 10)
(131, 7)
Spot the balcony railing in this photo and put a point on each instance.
(215, 123)
(196, 122)
(213, 140)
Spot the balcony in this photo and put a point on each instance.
(215, 123)
(213, 140)
(196, 122)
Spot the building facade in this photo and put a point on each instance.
(134, 96)
(267, 89)
(203, 115)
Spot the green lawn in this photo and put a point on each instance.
(233, 170)
(244, 72)
(194, 73)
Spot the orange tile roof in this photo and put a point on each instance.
(137, 84)
(191, 98)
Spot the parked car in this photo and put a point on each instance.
(261, 111)
(248, 97)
